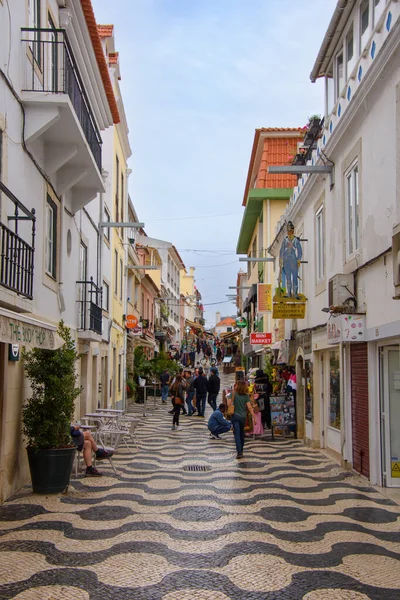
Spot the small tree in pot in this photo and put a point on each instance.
(48, 413)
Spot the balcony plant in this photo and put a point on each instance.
(48, 413)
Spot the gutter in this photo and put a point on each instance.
(331, 33)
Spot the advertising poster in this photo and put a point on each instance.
(283, 412)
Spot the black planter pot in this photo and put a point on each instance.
(50, 469)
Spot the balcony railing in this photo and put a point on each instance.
(16, 255)
(90, 312)
(51, 68)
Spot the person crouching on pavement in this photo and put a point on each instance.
(83, 440)
(217, 423)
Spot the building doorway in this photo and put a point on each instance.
(390, 411)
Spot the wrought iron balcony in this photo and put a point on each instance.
(51, 68)
(16, 255)
(90, 311)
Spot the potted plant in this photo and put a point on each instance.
(48, 413)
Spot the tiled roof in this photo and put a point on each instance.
(228, 321)
(113, 58)
(276, 151)
(105, 30)
(87, 9)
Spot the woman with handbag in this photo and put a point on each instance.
(239, 404)
(177, 391)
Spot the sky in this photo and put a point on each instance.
(198, 77)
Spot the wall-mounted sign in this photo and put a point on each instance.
(241, 322)
(261, 338)
(138, 330)
(346, 328)
(27, 333)
(264, 297)
(289, 310)
(131, 321)
(13, 352)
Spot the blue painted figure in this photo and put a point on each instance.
(289, 260)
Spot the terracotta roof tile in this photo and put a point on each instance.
(105, 30)
(227, 321)
(113, 58)
(87, 9)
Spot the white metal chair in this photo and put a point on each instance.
(128, 426)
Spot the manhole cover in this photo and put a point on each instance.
(196, 468)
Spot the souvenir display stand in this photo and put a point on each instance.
(283, 415)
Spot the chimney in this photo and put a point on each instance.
(217, 317)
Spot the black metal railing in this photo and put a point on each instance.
(16, 255)
(90, 311)
(51, 68)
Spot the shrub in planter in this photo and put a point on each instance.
(49, 411)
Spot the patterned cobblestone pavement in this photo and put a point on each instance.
(282, 523)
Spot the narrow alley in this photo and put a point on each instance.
(284, 522)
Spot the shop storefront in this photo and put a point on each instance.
(390, 414)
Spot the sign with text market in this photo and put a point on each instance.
(264, 297)
(289, 310)
(260, 338)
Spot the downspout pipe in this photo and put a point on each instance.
(331, 31)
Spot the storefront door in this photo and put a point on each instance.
(391, 415)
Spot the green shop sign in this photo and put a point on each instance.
(241, 322)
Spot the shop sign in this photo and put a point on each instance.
(241, 322)
(289, 310)
(15, 331)
(303, 340)
(13, 352)
(264, 297)
(346, 328)
(138, 330)
(131, 321)
(261, 338)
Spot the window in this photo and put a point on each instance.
(119, 373)
(82, 262)
(352, 210)
(254, 251)
(122, 196)
(106, 296)
(334, 389)
(148, 309)
(117, 189)
(320, 244)
(115, 272)
(121, 277)
(142, 305)
(350, 53)
(51, 238)
(379, 7)
(107, 217)
(339, 74)
(364, 23)
(35, 23)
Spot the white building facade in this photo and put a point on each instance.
(348, 346)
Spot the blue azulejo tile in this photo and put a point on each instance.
(373, 50)
(331, 126)
(324, 140)
(348, 93)
(389, 21)
(359, 73)
(339, 110)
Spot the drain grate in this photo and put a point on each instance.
(196, 468)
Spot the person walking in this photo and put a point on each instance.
(264, 389)
(177, 392)
(164, 380)
(214, 385)
(217, 424)
(241, 402)
(201, 387)
(189, 392)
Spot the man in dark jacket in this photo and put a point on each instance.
(164, 380)
(200, 385)
(264, 388)
(214, 385)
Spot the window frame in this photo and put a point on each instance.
(364, 35)
(340, 81)
(107, 217)
(319, 245)
(106, 296)
(116, 272)
(121, 278)
(51, 267)
(352, 209)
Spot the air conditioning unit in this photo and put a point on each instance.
(341, 289)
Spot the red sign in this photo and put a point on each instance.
(261, 338)
(131, 321)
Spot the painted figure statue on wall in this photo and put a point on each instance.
(289, 260)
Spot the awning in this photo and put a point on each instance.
(28, 332)
(194, 325)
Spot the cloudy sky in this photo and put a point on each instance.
(198, 77)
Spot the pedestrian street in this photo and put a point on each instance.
(186, 520)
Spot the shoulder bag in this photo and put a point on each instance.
(231, 408)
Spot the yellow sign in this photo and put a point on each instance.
(395, 469)
(264, 297)
(289, 310)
